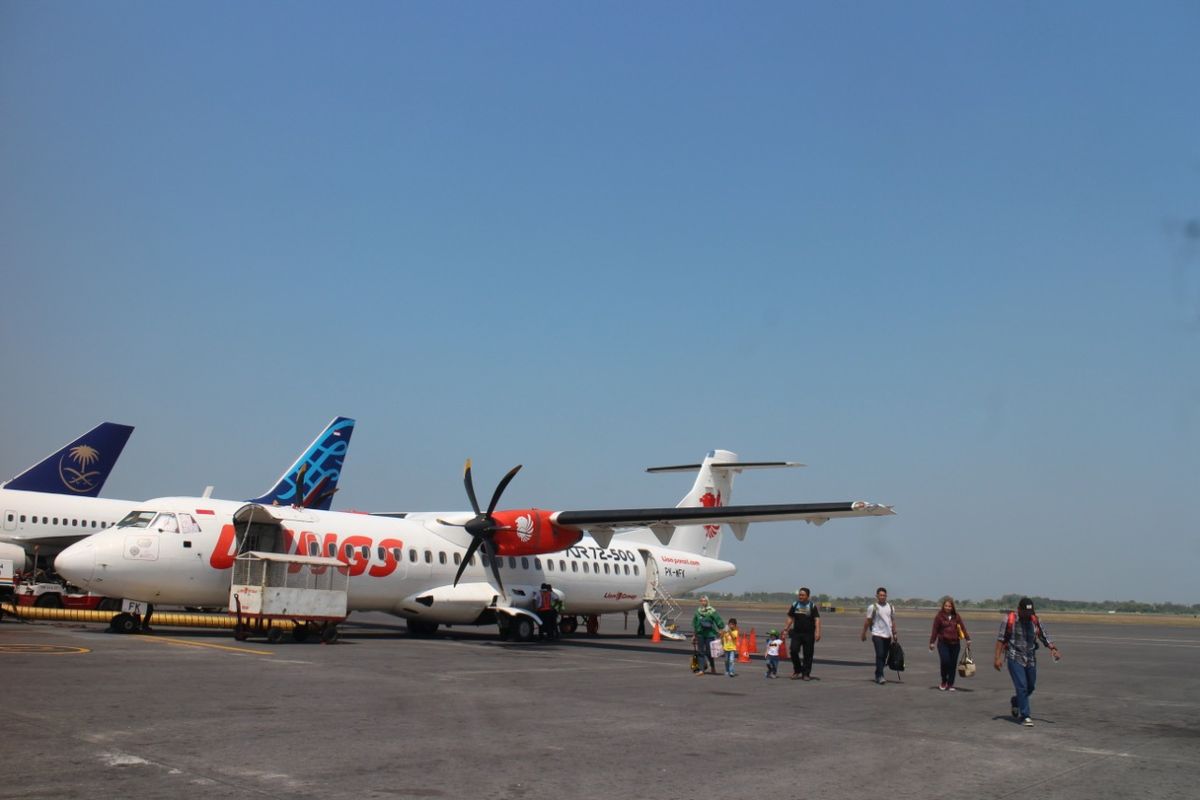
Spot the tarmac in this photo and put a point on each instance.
(183, 713)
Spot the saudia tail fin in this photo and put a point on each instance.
(713, 487)
(311, 481)
(79, 468)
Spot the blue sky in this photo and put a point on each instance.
(941, 253)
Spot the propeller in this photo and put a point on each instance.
(483, 526)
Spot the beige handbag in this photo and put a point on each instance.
(966, 666)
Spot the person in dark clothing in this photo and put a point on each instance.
(641, 631)
(804, 625)
(546, 612)
(948, 629)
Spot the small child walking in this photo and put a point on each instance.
(729, 642)
(773, 645)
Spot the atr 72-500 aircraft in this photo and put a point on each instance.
(424, 566)
(38, 513)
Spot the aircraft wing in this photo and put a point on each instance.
(603, 524)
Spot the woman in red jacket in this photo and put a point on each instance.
(948, 628)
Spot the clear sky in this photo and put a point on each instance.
(946, 254)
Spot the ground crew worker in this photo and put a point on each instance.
(546, 613)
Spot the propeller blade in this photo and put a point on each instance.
(512, 473)
(470, 487)
(466, 559)
(487, 548)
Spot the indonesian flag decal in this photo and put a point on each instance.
(709, 500)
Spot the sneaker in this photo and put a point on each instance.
(880, 681)
(1028, 722)
(796, 677)
(951, 689)
(941, 687)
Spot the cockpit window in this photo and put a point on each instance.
(188, 524)
(166, 523)
(136, 519)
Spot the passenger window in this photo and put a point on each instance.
(626, 568)
(397, 554)
(441, 557)
(46, 523)
(550, 565)
(537, 563)
(457, 559)
(412, 555)
(562, 566)
(574, 566)
(606, 569)
(366, 552)
(635, 569)
(314, 549)
(333, 549)
(75, 523)
(524, 562)
(93, 523)
(10, 518)
(382, 554)
(428, 556)
(512, 562)
(56, 520)
(587, 568)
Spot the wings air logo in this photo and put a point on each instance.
(525, 528)
(79, 478)
(710, 500)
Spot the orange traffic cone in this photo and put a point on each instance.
(753, 640)
(783, 653)
(743, 655)
(657, 636)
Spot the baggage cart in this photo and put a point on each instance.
(273, 592)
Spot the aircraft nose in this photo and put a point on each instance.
(77, 563)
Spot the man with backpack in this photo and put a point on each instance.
(882, 625)
(707, 625)
(1018, 642)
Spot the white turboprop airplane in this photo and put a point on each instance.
(39, 513)
(410, 564)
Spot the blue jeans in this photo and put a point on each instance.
(772, 665)
(948, 655)
(705, 654)
(1023, 679)
(730, 656)
(882, 644)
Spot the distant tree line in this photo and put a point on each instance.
(999, 603)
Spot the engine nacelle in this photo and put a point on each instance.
(15, 554)
(532, 533)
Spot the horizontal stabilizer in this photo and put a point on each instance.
(737, 466)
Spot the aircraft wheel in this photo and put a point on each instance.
(274, 634)
(241, 632)
(568, 625)
(522, 629)
(300, 632)
(123, 623)
(418, 627)
(49, 601)
(329, 634)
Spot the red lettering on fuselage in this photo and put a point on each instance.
(307, 543)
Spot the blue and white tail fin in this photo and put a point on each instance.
(311, 481)
(713, 488)
(79, 468)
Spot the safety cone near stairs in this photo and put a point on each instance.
(657, 635)
(753, 640)
(743, 650)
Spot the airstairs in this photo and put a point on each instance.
(661, 608)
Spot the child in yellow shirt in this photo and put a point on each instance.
(729, 643)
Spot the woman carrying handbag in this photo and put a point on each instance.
(948, 628)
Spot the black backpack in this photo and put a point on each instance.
(895, 657)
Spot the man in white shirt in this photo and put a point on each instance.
(882, 625)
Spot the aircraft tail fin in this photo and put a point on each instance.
(80, 467)
(312, 479)
(713, 487)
